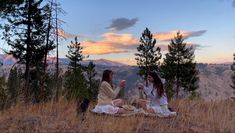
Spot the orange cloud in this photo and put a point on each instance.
(122, 39)
(112, 43)
(167, 36)
(121, 43)
(102, 49)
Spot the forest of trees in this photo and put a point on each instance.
(30, 28)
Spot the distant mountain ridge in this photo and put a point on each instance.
(10, 60)
(214, 78)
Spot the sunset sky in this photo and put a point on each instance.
(111, 29)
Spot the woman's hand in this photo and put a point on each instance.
(122, 83)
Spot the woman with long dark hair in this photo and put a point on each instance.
(107, 102)
(154, 92)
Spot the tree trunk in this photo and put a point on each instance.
(28, 54)
(42, 84)
(177, 73)
(57, 54)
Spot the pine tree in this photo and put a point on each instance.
(93, 84)
(25, 32)
(13, 85)
(75, 82)
(49, 42)
(179, 67)
(233, 75)
(3, 95)
(148, 56)
(9, 6)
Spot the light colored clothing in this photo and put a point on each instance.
(107, 94)
(157, 103)
(153, 96)
(105, 99)
(108, 109)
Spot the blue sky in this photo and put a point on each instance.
(111, 29)
(93, 18)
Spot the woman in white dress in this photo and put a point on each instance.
(154, 92)
(106, 97)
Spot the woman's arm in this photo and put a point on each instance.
(109, 92)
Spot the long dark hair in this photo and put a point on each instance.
(157, 83)
(106, 75)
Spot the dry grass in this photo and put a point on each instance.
(193, 116)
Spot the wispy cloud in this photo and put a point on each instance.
(65, 34)
(167, 36)
(164, 47)
(194, 45)
(112, 43)
(233, 3)
(97, 49)
(123, 43)
(122, 23)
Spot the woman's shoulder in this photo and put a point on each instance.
(104, 83)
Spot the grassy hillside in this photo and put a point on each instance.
(193, 116)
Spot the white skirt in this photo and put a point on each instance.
(108, 109)
(163, 111)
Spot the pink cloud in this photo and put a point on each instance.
(122, 39)
(122, 43)
(167, 36)
(112, 43)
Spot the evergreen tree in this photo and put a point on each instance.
(75, 82)
(25, 32)
(148, 56)
(233, 74)
(8, 6)
(75, 55)
(3, 95)
(13, 85)
(93, 84)
(179, 67)
(54, 87)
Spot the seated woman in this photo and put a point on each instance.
(155, 94)
(106, 97)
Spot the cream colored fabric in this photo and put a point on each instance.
(107, 94)
(107, 109)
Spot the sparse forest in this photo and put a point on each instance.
(40, 95)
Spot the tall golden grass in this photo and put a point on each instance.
(192, 116)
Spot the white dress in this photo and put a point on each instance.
(158, 103)
(107, 109)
